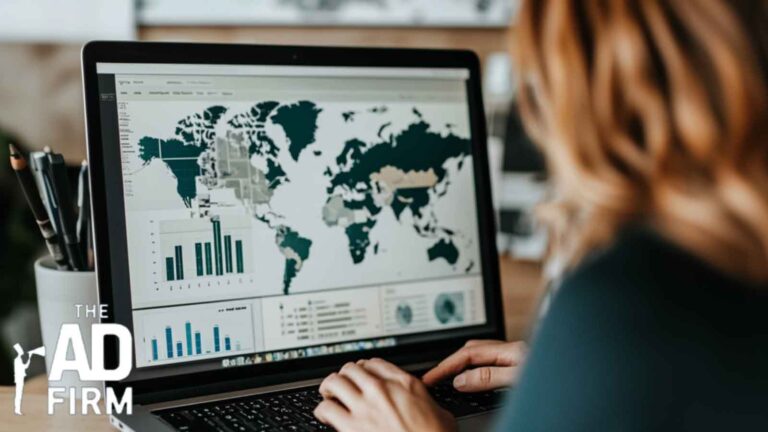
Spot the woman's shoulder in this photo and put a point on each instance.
(643, 262)
(644, 334)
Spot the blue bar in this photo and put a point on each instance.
(216, 342)
(227, 346)
(198, 344)
(154, 349)
(188, 328)
(169, 341)
(179, 351)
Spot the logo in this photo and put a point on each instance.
(71, 341)
(20, 372)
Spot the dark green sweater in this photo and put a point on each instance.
(646, 337)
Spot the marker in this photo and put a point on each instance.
(84, 213)
(57, 175)
(32, 195)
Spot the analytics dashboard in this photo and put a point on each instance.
(274, 208)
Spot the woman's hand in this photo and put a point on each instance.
(375, 395)
(496, 364)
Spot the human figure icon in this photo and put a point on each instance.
(20, 372)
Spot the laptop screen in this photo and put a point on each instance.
(283, 212)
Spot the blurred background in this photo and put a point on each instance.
(41, 105)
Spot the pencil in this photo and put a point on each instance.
(29, 188)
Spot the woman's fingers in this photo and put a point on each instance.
(502, 354)
(388, 371)
(363, 379)
(341, 388)
(384, 369)
(476, 342)
(485, 378)
(332, 413)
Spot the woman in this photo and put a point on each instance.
(653, 115)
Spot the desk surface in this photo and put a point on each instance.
(521, 284)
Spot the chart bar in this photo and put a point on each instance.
(179, 351)
(216, 342)
(208, 262)
(239, 255)
(199, 258)
(169, 267)
(228, 253)
(154, 349)
(198, 343)
(188, 331)
(169, 341)
(179, 264)
(227, 345)
(219, 262)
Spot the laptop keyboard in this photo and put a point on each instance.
(292, 410)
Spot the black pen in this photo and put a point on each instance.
(84, 213)
(40, 165)
(57, 173)
(28, 186)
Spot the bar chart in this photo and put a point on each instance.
(199, 248)
(197, 332)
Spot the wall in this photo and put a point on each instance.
(41, 99)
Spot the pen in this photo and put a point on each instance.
(29, 188)
(40, 166)
(57, 175)
(84, 213)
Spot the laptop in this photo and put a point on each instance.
(264, 214)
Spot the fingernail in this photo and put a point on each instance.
(459, 381)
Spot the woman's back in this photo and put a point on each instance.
(645, 336)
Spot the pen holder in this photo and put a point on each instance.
(58, 291)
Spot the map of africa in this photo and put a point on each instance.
(400, 171)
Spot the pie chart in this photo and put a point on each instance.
(449, 308)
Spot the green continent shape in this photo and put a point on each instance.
(358, 235)
(275, 174)
(353, 149)
(414, 149)
(299, 121)
(444, 249)
(185, 168)
(198, 129)
(194, 134)
(296, 249)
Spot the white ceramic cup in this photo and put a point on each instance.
(58, 291)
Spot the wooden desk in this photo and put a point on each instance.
(521, 284)
(35, 409)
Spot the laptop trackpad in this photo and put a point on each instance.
(477, 423)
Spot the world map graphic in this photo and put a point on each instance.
(402, 170)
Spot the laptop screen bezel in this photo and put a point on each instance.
(229, 379)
